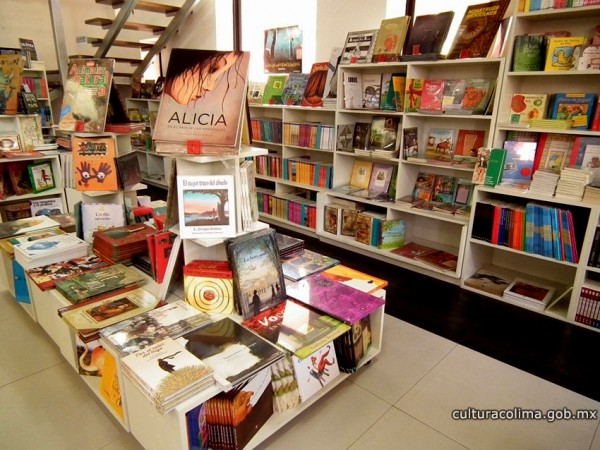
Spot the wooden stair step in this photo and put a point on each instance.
(136, 26)
(96, 42)
(116, 58)
(143, 6)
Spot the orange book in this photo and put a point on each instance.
(94, 162)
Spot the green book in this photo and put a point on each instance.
(493, 173)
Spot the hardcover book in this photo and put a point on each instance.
(531, 291)
(345, 135)
(381, 176)
(26, 225)
(483, 157)
(518, 166)
(332, 219)
(468, 142)
(333, 298)
(428, 34)
(444, 187)
(412, 250)
(94, 162)
(206, 206)
(432, 96)
(524, 107)
(119, 244)
(315, 85)
(7, 244)
(316, 371)
(100, 216)
(440, 260)
(45, 277)
(355, 278)
(478, 95)
(353, 92)
(208, 286)
(371, 90)
(423, 189)
(294, 88)
(577, 107)
(11, 71)
(488, 281)
(273, 90)
(128, 170)
(562, 52)
(305, 264)
(412, 97)
(495, 167)
(390, 39)
(361, 173)
(477, 30)
(48, 250)
(362, 131)
(410, 142)
(383, 133)
(392, 233)
(257, 274)
(440, 144)
(47, 207)
(202, 102)
(86, 97)
(359, 46)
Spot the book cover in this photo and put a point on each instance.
(488, 281)
(258, 277)
(439, 259)
(273, 90)
(305, 264)
(477, 30)
(390, 39)
(410, 142)
(381, 176)
(26, 225)
(86, 95)
(233, 352)
(453, 96)
(293, 89)
(11, 70)
(440, 144)
(332, 219)
(371, 90)
(462, 194)
(383, 133)
(110, 389)
(444, 188)
(428, 33)
(98, 282)
(52, 206)
(203, 101)
(529, 53)
(579, 147)
(316, 371)
(334, 298)
(100, 216)
(423, 188)
(256, 90)
(399, 90)
(392, 233)
(530, 291)
(518, 166)
(331, 82)
(348, 226)
(577, 107)
(296, 328)
(483, 157)
(139, 332)
(30, 253)
(45, 277)
(19, 177)
(562, 52)
(412, 96)
(477, 96)
(358, 47)
(524, 107)
(361, 173)
(208, 286)
(94, 163)
(31, 103)
(495, 167)
(353, 93)
(206, 206)
(355, 278)
(128, 170)
(315, 85)
(345, 137)
(362, 131)
(7, 244)
(432, 96)
(468, 142)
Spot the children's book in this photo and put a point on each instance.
(412, 96)
(478, 95)
(305, 264)
(361, 173)
(355, 278)
(45, 277)
(359, 46)
(316, 370)
(444, 188)
(410, 142)
(440, 144)
(48, 250)
(94, 162)
(381, 176)
(432, 96)
(428, 34)
(26, 225)
(518, 166)
(362, 132)
(334, 298)
(257, 274)
(383, 133)
(524, 107)
(371, 90)
(294, 88)
(483, 157)
(577, 107)
(562, 52)
(468, 142)
(345, 136)
(208, 286)
(11, 70)
(440, 260)
(423, 189)
(202, 116)
(453, 96)
(86, 95)
(412, 250)
(315, 85)
(273, 90)
(495, 167)
(390, 39)
(100, 216)
(392, 233)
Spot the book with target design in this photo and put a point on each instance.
(208, 286)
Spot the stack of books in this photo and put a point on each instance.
(305, 264)
(529, 294)
(208, 286)
(120, 244)
(288, 245)
(45, 277)
(544, 182)
(591, 194)
(572, 182)
(50, 250)
(167, 374)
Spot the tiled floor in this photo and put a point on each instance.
(404, 399)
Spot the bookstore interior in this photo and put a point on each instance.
(214, 249)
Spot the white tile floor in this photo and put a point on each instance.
(404, 399)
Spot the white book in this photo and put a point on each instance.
(22, 226)
(100, 216)
(50, 250)
(316, 370)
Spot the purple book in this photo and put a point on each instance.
(334, 298)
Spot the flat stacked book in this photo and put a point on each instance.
(489, 280)
(8, 244)
(296, 328)
(592, 194)
(530, 294)
(334, 298)
(99, 282)
(45, 277)
(544, 181)
(167, 374)
(27, 225)
(572, 182)
(356, 279)
(120, 244)
(288, 245)
(139, 332)
(208, 286)
(305, 264)
(233, 352)
(48, 250)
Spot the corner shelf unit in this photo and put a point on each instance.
(35, 77)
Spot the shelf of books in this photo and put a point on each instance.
(34, 77)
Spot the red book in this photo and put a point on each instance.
(432, 96)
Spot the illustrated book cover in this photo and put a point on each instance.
(206, 206)
(258, 280)
(439, 259)
(11, 71)
(7, 244)
(355, 278)
(203, 101)
(390, 39)
(359, 46)
(94, 162)
(381, 177)
(383, 133)
(232, 351)
(518, 165)
(316, 370)
(128, 170)
(362, 132)
(86, 95)
(208, 286)
(333, 298)
(531, 291)
(577, 107)
(296, 327)
(273, 90)
(45, 277)
(294, 88)
(468, 141)
(428, 34)
(100, 216)
(361, 173)
(48, 250)
(489, 281)
(52, 206)
(315, 85)
(562, 52)
(305, 264)
(440, 144)
(524, 107)
(26, 225)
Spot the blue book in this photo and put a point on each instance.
(518, 165)
(578, 107)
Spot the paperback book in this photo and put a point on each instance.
(427, 35)
(359, 46)
(128, 170)
(294, 88)
(305, 264)
(94, 162)
(390, 39)
(48, 250)
(45, 277)
(11, 68)
(355, 279)
(489, 281)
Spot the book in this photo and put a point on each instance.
(171, 320)
(206, 206)
(468, 142)
(371, 90)
(577, 107)
(345, 136)
(439, 259)
(256, 90)
(128, 170)
(233, 352)
(428, 34)
(361, 173)
(524, 107)
(423, 188)
(31, 103)
(48, 250)
(477, 30)
(440, 144)
(19, 177)
(412, 96)
(561, 52)
(120, 244)
(334, 298)
(537, 294)
(288, 245)
(273, 90)
(11, 71)
(518, 166)
(52, 206)
(110, 389)
(7, 244)
(98, 282)
(208, 286)
(293, 89)
(381, 176)
(333, 218)
(412, 250)
(45, 277)
(529, 53)
(315, 85)
(26, 225)
(94, 162)
(390, 39)
(100, 216)
(360, 138)
(355, 278)
(359, 46)
(383, 133)
(257, 274)
(305, 264)
(353, 90)
(331, 82)
(444, 188)
(391, 234)
(399, 89)
(316, 371)
(296, 327)
(432, 96)
(410, 142)
(203, 102)
(489, 281)
(86, 95)
(495, 167)
(478, 96)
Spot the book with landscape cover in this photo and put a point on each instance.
(136, 333)
(202, 108)
(45, 277)
(296, 327)
(86, 95)
(11, 70)
(489, 281)
(206, 206)
(334, 298)
(128, 170)
(316, 370)
(428, 34)
(94, 162)
(257, 274)
(383, 133)
(98, 282)
(208, 286)
(477, 30)
(390, 39)
(232, 351)
(294, 88)
(305, 264)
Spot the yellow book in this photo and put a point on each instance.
(390, 39)
(354, 278)
(562, 52)
(361, 173)
(109, 384)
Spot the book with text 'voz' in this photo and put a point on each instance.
(48, 250)
(305, 264)
(202, 116)
(233, 352)
(316, 370)
(45, 277)
(167, 373)
(258, 280)
(334, 298)
(136, 333)
(296, 327)
(208, 286)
